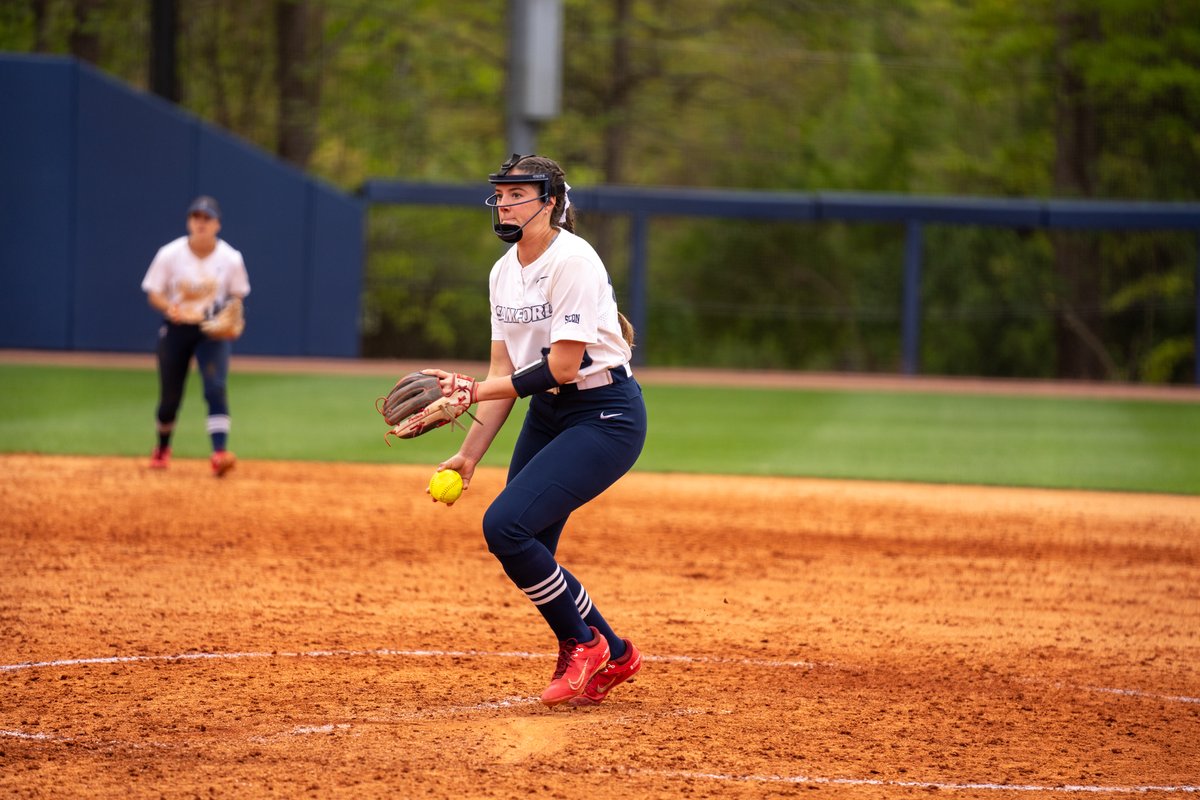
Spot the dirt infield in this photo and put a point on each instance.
(303, 630)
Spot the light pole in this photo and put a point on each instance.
(534, 70)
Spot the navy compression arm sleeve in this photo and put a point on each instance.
(535, 378)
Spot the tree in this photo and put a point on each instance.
(298, 31)
(1095, 100)
(1079, 324)
(84, 37)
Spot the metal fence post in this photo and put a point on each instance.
(638, 314)
(911, 320)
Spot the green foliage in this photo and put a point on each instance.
(16, 28)
(1085, 443)
(770, 295)
(1144, 77)
(985, 285)
(427, 301)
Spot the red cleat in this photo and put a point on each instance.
(577, 664)
(222, 462)
(160, 458)
(613, 675)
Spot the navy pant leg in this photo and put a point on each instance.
(212, 359)
(567, 454)
(176, 346)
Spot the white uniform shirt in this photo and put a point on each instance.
(564, 294)
(200, 286)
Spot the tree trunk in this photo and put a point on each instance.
(41, 12)
(84, 40)
(603, 229)
(164, 59)
(1080, 352)
(298, 75)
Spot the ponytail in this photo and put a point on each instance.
(627, 331)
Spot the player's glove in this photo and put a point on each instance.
(228, 323)
(416, 405)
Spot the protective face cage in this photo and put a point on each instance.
(508, 232)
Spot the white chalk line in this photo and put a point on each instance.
(511, 702)
(387, 652)
(1173, 698)
(515, 702)
(72, 740)
(72, 662)
(943, 785)
(303, 730)
(37, 737)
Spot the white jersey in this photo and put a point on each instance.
(199, 286)
(564, 295)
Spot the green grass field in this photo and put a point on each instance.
(1050, 442)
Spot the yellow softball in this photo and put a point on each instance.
(446, 486)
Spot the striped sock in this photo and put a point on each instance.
(543, 581)
(218, 431)
(593, 617)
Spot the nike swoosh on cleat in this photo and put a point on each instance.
(610, 416)
(583, 676)
(602, 688)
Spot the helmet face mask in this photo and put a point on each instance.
(509, 232)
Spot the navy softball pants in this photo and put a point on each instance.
(177, 345)
(573, 445)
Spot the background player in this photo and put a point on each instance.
(189, 280)
(554, 312)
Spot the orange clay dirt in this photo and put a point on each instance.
(325, 630)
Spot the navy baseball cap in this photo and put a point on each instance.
(205, 205)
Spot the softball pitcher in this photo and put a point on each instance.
(558, 339)
(190, 280)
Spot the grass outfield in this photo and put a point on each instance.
(1049, 442)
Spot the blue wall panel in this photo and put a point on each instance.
(36, 203)
(335, 282)
(133, 193)
(263, 208)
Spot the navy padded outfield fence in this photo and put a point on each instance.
(97, 176)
